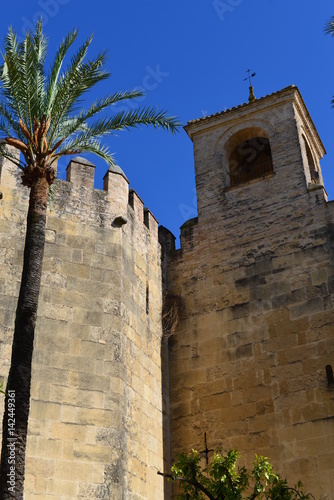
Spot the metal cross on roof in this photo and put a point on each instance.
(249, 77)
(251, 97)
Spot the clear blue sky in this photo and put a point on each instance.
(191, 56)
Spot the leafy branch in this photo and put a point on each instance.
(223, 480)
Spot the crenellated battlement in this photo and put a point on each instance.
(76, 198)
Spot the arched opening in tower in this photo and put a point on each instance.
(250, 160)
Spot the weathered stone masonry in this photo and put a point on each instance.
(251, 324)
(95, 429)
(256, 276)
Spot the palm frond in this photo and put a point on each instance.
(121, 121)
(69, 126)
(40, 45)
(23, 74)
(9, 121)
(108, 101)
(5, 129)
(11, 75)
(78, 78)
(85, 144)
(143, 116)
(80, 122)
(33, 60)
(84, 78)
(56, 68)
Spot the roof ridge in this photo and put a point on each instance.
(196, 120)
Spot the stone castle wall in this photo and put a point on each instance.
(255, 273)
(254, 285)
(95, 426)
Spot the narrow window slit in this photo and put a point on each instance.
(329, 373)
(147, 300)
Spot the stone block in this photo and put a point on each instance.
(80, 271)
(92, 453)
(94, 416)
(45, 410)
(93, 349)
(66, 431)
(76, 471)
(65, 489)
(215, 401)
(92, 382)
(50, 236)
(41, 467)
(307, 308)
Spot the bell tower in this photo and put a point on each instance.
(255, 274)
(269, 145)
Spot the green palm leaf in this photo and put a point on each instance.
(80, 122)
(10, 122)
(143, 116)
(11, 76)
(35, 72)
(87, 144)
(72, 85)
(33, 60)
(56, 68)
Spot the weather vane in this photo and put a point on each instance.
(251, 75)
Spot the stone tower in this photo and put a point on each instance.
(255, 274)
(95, 425)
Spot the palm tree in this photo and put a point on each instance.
(39, 118)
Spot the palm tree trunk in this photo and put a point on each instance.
(17, 402)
